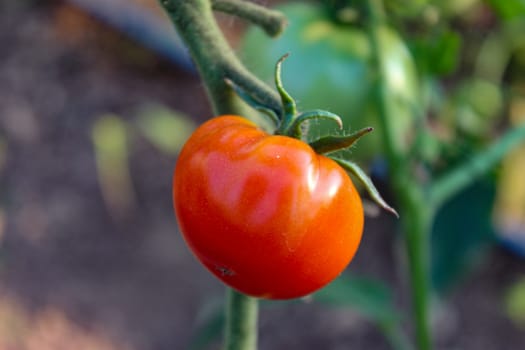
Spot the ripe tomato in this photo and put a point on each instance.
(265, 214)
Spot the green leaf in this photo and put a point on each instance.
(438, 53)
(211, 321)
(167, 129)
(372, 299)
(369, 297)
(508, 9)
(462, 234)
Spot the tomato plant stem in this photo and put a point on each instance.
(457, 179)
(217, 63)
(215, 59)
(272, 22)
(416, 215)
(241, 321)
(416, 229)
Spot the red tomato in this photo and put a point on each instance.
(265, 214)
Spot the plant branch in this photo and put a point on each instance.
(459, 178)
(241, 321)
(416, 224)
(215, 59)
(417, 218)
(272, 22)
(217, 63)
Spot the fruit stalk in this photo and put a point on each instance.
(241, 321)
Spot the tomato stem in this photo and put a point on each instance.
(214, 58)
(272, 22)
(267, 111)
(413, 204)
(216, 61)
(295, 126)
(241, 321)
(289, 108)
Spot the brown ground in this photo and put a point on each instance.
(72, 276)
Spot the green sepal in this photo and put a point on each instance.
(252, 102)
(355, 170)
(289, 105)
(294, 129)
(331, 143)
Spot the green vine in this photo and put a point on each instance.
(272, 22)
(217, 64)
(214, 57)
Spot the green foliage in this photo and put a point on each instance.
(349, 60)
(211, 320)
(508, 9)
(437, 53)
(461, 234)
(371, 298)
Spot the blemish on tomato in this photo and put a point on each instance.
(225, 271)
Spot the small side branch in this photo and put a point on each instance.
(459, 178)
(215, 59)
(272, 22)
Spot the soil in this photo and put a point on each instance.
(75, 276)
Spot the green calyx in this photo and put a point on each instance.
(367, 183)
(331, 143)
(289, 122)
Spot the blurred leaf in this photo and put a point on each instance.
(167, 129)
(371, 298)
(454, 7)
(508, 9)
(210, 329)
(515, 303)
(210, 322)
(406, 8)
(110, 139)
(475, 107)
(439, 53)
(461, 234)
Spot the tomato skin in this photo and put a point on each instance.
(265, 214)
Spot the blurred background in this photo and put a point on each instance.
(96, 99)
